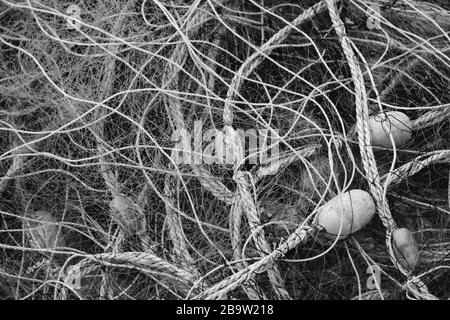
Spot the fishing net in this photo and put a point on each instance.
(182, 149)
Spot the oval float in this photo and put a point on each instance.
(392, 122)
(346, 213)
(405, 248)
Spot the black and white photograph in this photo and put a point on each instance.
(253, 152)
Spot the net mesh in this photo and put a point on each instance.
(113, 187)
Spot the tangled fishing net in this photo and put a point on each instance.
(95, 104)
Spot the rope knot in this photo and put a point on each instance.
(243, 178)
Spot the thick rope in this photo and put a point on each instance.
(411, 168)
(142, 261)
(246, 200)
(257, 57)
(248, 205)
(227, 285)
(236, 213)
(431, 118)
(367, 157)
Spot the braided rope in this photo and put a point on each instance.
(246, 200)
(411, 168)
(216, 188)
(283, 163)
(368, 160)
(141, 261)
(248, 206)
(213, 185)
(235, 227)
(243, 202)
(223, 287)
(257, 57)
(431, 118)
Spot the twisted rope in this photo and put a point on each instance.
(235, 222)
(248, 206)
(142, 261)
(411, 168)
(217, 189)
(257, 57)
(213, 185)
(431, 118)
(223, 287)
(285, 162)
(246, 200)
(370, 168)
